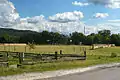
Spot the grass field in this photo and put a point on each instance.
(67, 49)
(98, 56)
(45, 48)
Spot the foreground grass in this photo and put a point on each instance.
(91, 60)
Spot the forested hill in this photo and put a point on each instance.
(45, 37)
(14, 32)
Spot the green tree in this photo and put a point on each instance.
(105, 39)
(77, 38)
(104, 32)
(115, 39)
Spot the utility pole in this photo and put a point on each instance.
(84, 30)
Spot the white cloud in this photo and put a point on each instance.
(3, 1)
(76, 3)
(33, 20)
(66, 16)
(114, 21)
(65, 22)
(113, 27)
(8, 14)
(107, 3)
(100, 15)
(62, 22)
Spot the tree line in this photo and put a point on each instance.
(45, 37)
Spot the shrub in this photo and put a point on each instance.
(31, 46)
(113, 55)
(99, 57)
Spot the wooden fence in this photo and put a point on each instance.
(32, 58)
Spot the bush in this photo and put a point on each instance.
(31, 46)
(99, 57)
(113, 55)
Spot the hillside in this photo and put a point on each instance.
(14, 32)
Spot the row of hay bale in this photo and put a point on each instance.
(96, 46)
(13, 44)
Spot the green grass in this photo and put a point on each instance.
(91, 60)
(105, 51)
(94, 57)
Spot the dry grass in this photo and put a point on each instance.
(45, 48)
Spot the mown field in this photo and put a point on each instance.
(94, 57)
(70, 49)
(67, 49)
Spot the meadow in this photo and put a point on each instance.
(94, 57)
(68, 49)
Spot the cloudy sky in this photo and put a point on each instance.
(64, 16)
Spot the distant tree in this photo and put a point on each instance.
(89, 40)
(98, 39)
(115, 39)
(45, 37)
(77, 38)
(105, 36)
(2, 40)
(104, 32)
(6, 38)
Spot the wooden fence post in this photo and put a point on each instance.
(56, 55)
(74, 49)
(60, 53)
(6, 58)
(23, 56)
(25, 48)
(4, 48)
(85, 54)
(20, 58)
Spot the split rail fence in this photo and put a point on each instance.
(20, 58)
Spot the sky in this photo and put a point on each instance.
(64, 16)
